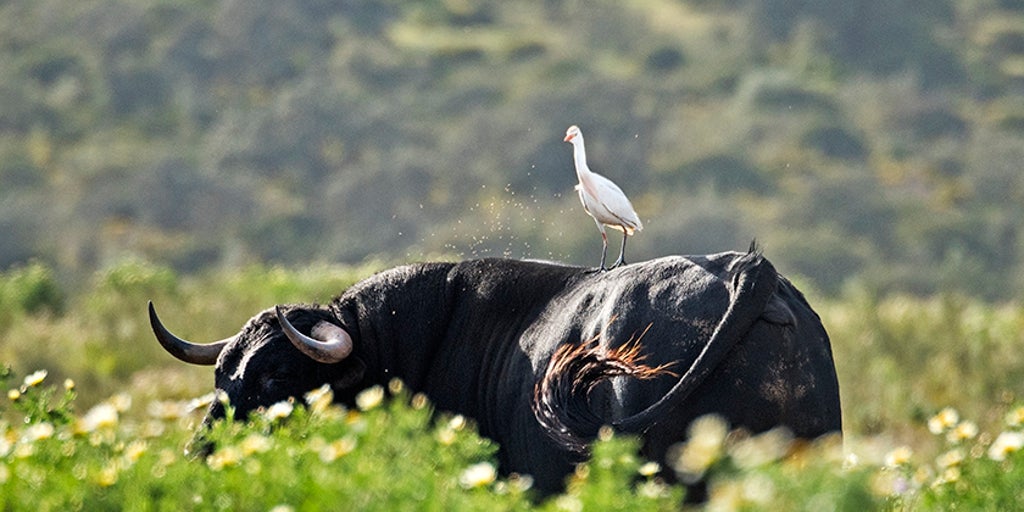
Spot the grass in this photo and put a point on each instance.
(930, 387)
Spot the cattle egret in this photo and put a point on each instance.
(602, 199)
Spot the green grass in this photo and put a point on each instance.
(106, 426)
(395, 453)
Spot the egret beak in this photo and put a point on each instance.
(569, 137)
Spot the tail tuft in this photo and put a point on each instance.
(560, 397)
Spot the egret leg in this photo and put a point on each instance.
(604, 249)
(622, 252)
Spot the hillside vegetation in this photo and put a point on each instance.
(871, 141)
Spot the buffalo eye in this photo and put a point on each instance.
(274, 380)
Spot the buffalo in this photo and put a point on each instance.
(542, 355)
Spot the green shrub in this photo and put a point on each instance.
(30, 289)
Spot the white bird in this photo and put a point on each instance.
(602, 199)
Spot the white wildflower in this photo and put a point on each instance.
(370, 398)
(35, 378)
(761, 449)
(255, 443)
(1005, 444)
(1015, 417)
(899, 456)
(949, 459)
(121, 401)
(704, 448)
(320, 398)
(38, 432)
(478, 475)
(963, 431)
(649, 469)
(943, 421)
(102, 416)
(279, 410)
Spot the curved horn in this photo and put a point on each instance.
(330, 345)
(182, 349)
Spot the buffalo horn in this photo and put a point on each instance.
(185, 350)
(329, 343)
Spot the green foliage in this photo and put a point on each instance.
(36, 403)
(396, 454)
(900, 358)
(30, 289)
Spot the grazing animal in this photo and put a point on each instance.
(602, 199)
(540, 355)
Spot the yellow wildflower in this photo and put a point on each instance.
(899, 456)
(225, 457)
(13, 395)
(69, 384)
(478, 475)
(568, 503)
(337, 449)
(201, 402)
(24, 450)
(943, 421)
(135, 450)
(1015, 417)
(725, 496)
(419, 401)
(107, 476)
(652, 489)
(949, 459)
(758, 489)
(950, 475)
(446, 436)
(167, 409)
(963, 431)
(255, 443)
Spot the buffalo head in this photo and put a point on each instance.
(279, 354)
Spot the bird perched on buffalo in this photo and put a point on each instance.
(602, 199)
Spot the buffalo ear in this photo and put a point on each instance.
(350, 373)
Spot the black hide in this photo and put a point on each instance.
(476, 337)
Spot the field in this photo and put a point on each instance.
(96, 416)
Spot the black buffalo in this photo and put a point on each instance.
(541, 355)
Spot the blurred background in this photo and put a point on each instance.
(864, 140)
(872, 147)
